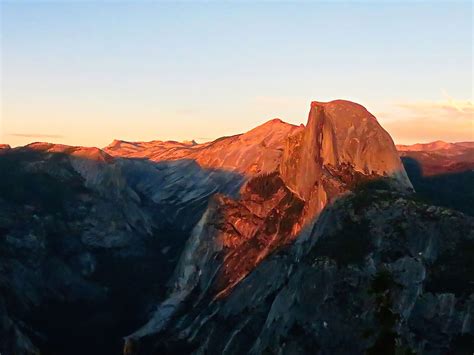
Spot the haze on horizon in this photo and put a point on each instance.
(88, 72)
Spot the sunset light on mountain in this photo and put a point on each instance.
(236, 177)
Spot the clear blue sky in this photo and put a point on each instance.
(84, 73)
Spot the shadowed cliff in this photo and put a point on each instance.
(88, 242)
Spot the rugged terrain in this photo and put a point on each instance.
(378, 274)
(285, 239)
(88, 241)
(440, 157)
(442, 173)
(255, 152)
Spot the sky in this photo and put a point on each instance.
(87, 72)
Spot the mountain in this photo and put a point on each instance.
(440, 157)
(284, 239)
(255, 152)
(426, 147)
(85, 236)
(442, 173)
(341, 143)
(342, 150)
(379, 273)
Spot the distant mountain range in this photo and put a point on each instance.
(320, 238)
(440, 157)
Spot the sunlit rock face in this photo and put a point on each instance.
(266, 217)
(341, 148)
(342, 141)
(379, 273)
(285, 239)
(440, 157)
(256, 152)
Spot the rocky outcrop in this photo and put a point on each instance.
(285, 239)
(340, 133)
(85, 236)
(380, 273)
(342, 140)
(320, 163)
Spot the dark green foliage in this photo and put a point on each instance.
(292, 207)
(374, 185)
(39, 189)
(370, 192)
(382, 286)
(350, 245)
(362, 200)
(265, 185)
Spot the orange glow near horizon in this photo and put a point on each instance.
(407, 123)
(86, 73)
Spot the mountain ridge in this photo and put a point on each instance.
(254, 152)
(319, 164)
(165, 239)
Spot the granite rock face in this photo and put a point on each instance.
(255, 152)
(88, 242)
(341, 140)
(379, 273)
(341, 148)
(285, 239)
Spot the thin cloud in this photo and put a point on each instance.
(35, 135)
(423, 121)
(422, 130)
(458, 109)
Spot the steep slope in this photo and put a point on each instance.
(104, 231)
(88, 242)
(342, 140)
(285, 239)
(379, 274)
(341, 148)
